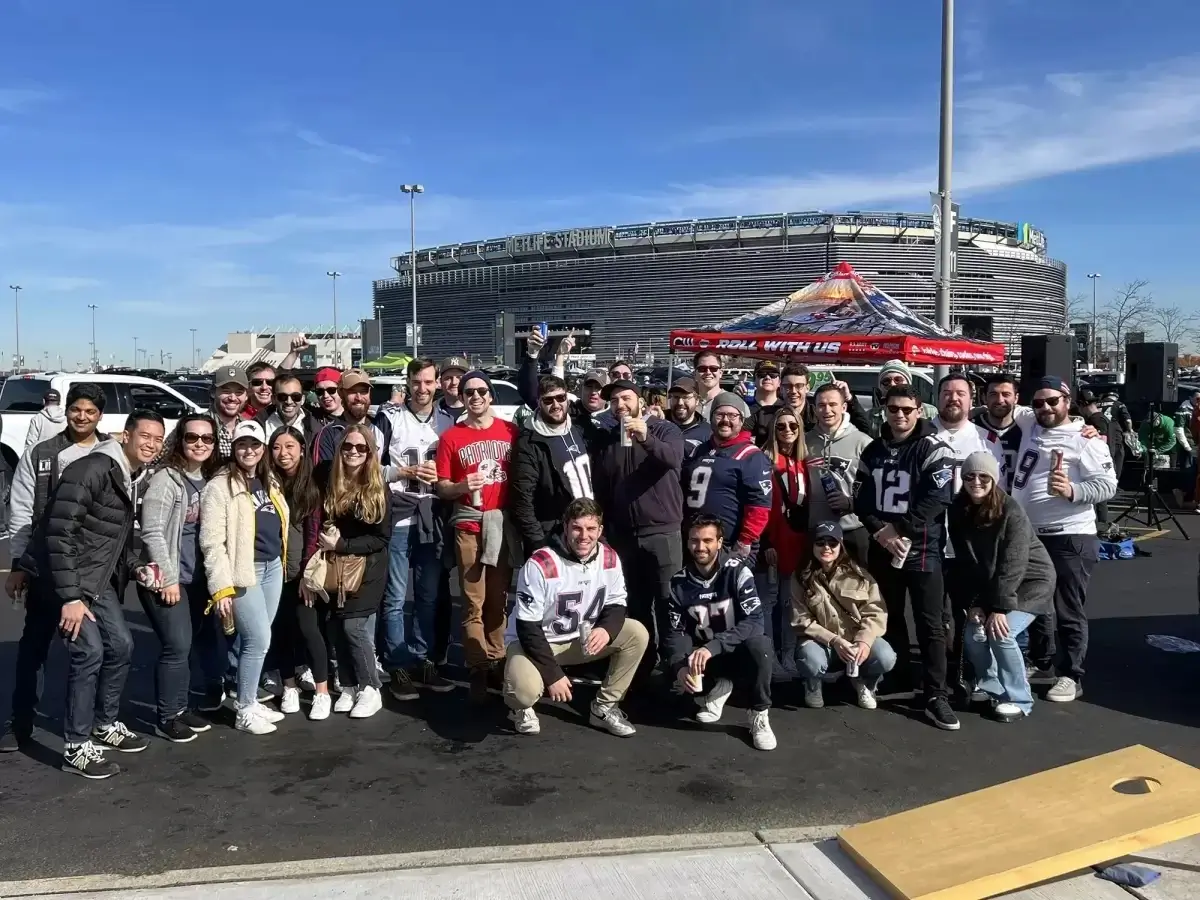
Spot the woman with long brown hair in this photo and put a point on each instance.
(358, 522)
(784, 539)
(1012, 580)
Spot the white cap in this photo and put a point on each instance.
(248, 428)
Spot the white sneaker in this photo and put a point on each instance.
(345, 701)
(1064, 691)
(270, 715)
(760, 730)
(713, 703)
(304, 678)
(320, 708)
(366, 703)
(862, 693)
(249, 721)
(291, 700)
(611, 719)
(814, 693)
(1008, 711)
(525, 721)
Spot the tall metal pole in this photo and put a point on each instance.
(945, 165)
(193, 361)
(1094, 276)
(16, 289)
(337, 356)
(412, 190)
(95, 355)
(135, 352)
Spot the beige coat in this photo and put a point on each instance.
(846, 607)
(227, 534)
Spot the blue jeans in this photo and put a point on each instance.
(181, 629)
(999, 665)
(404, 647)
(254, 609)
(813, 660)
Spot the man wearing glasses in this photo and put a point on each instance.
(287, 410)
(262, 389)
(905, 482)
(893, 372)
(620, 371)
(550, 467)
(327, 388)
(1060, 475)
(793, 392)
(354, 390)
(707, 369)
(682, 404)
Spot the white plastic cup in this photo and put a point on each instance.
(899, 560)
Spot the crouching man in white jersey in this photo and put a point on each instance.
(571, 610)
(1060, 476)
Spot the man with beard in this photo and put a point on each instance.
(591, 402)
(231, 392)
(905, 483)
(1060, 476)
(262, 389)
(706, 366)
(354, 389)
(998, 417)
(683, 404)
(832, 452)
(550, 467)
(892, 373)
(288, 410)
(963, 437)
(414, 429)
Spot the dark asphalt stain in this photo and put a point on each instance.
(451, 748)
(707, 789)
(525, 793)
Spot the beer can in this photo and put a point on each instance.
(898, 560)
(228, 624)
(852, 669)
(626, 440)
(543, 330)
(696, 683)
(773, 576)
(585, 632)
(477, 498)
(1056, 459)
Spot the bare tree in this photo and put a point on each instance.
(1174, 325)
(1076, 311)
(1131, 305)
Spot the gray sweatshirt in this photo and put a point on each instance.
(45, 425)
(21, 513)
(162, 522)
(838, 453)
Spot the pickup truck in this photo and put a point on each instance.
(21, 400)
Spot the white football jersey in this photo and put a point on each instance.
(414, 440)
(560, 593)
(968, 438)
(1084, 459)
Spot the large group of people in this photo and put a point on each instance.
(697, 542)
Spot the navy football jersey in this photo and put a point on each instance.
(1010, 444)
(718, 611)
(727, 483)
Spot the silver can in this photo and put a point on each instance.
(585, 632)
(898, 560)
(477, 498)
(626, 440)
(852, 669)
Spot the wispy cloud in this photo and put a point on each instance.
(1071, 122)
(21, 99)
(315, 140)
(756, 129)
(64, 283)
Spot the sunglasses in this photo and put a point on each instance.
(977, 478)
(193, 437)
(893, 380)
(901, 410)
(476, 392)
(262, 382)
(828, 543)
(708, 369)
(326, 392)
(354, 449)
(786, 426)
(620, 374)
(294, 398)
(1039, 402)
(765, 375)
(554, 400)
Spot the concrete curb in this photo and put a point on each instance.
(359, 865)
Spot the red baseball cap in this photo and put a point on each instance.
(329, 374)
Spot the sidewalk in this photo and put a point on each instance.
(800, 864)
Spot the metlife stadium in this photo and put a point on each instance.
(629, 285)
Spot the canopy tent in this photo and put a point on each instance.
(840, 318)
(386, 363)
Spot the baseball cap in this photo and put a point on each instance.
(621, 384)
(1054, 383)
(353, 378)
(454, 362)
(597, 375)
(1085, 397)
(683, 386)
(766, 367)
(231, 375)
(828, 530)
(328, 374)
(248, 428)
(727, 398)
(52, 396)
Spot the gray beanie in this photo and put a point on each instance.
(982, 462)
(894, 366)
(727, 398)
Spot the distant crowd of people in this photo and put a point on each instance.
(725, 546)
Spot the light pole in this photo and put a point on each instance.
(412, 190)
(334, 276)
(16, 289)
(193, 363)
(135, 352)
(95, 355)
(945, 164)
(1094, 276)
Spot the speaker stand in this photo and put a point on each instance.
(1152, 501)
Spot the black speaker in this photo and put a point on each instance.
(1150, 372)
(1046, 354)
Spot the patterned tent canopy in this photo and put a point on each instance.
(840, 318)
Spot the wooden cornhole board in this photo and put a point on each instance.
(1010, 836)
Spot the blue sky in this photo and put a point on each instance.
(201, 165)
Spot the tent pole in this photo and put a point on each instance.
(945, 261)
(670, 370)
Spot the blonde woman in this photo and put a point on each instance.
(243, 521)
(358, 522)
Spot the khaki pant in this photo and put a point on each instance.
(485, 600)
(523, 684)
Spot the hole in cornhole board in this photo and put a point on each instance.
(1134, 786)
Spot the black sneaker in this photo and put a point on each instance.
(402, 686)
(117, 737)
(214, 696)
(175, 731)
(13, 739)
(495, 676)
(428, 676)
(938, 712)
(195, 722)
(86, 759)
(479, 686)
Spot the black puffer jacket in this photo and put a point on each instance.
(85, 539)
(538, 493)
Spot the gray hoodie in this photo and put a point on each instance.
(837, 453)
(21, 514)
(45, 425)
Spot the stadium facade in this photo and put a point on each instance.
(631, 284)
